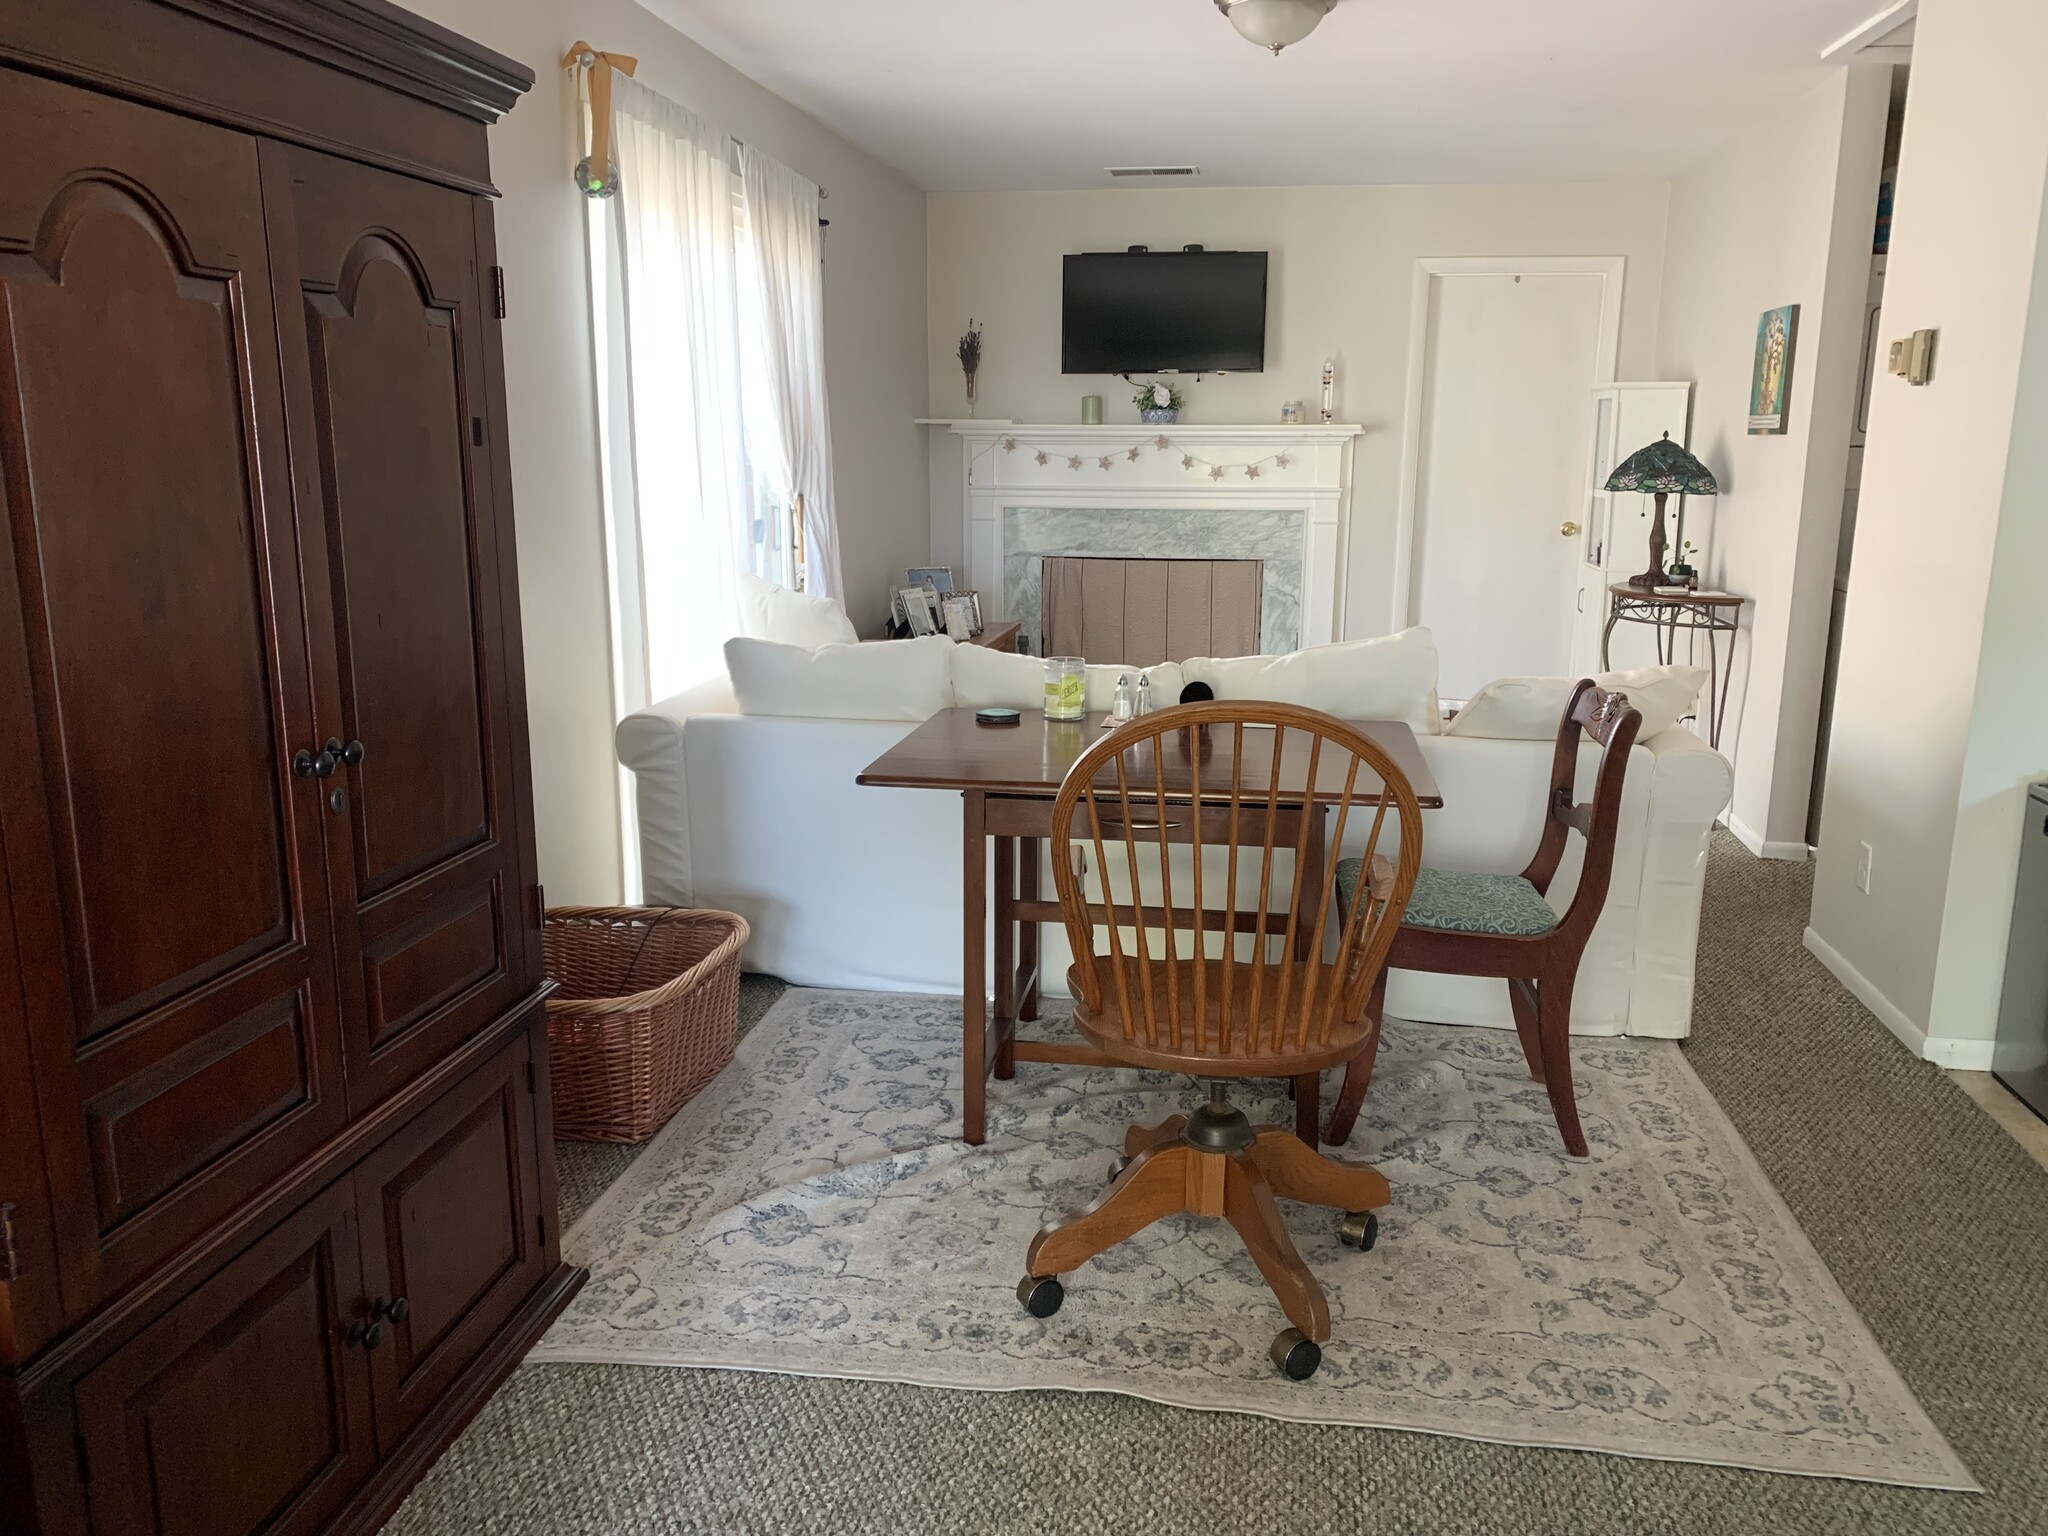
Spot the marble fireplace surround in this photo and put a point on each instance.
(1150, 503)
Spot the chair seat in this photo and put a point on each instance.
(1209, 1056)
(1459, 902)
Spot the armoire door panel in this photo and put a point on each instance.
(383, 382)
(448, 1215)
(413, 970)
(243, 1409)
(152, 645)
(157, 1128)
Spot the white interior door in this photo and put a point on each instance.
(1506, 408)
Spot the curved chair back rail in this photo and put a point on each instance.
(1253, 779)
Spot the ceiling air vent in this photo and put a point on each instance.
(1153, 170)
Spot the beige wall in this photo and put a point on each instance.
(1781, 215)
(874, 346)
(1343, 262)
(1940, 717)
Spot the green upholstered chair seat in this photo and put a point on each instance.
(1466, 903)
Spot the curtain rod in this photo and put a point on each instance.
(599, 163)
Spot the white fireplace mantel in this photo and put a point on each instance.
(1223, 485)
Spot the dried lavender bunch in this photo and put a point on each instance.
(970, 348)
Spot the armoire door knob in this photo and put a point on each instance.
(352, 754)
(306, 766)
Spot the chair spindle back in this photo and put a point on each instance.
(1232, 775)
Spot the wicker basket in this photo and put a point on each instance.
(646, 1014)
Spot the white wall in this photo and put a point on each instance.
(874, 360)
(1340, 280)
(1781, 215)
(1941, 715)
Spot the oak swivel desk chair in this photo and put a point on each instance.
(1500, 925)
(1163, 997)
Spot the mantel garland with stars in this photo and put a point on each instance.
(1046, 454)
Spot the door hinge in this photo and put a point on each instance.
(532, 1079)
(10, 1245)
(498, 291)
(540, 1220)
(540, 906)
(84, 1456)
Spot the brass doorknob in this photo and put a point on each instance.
(1567, 528)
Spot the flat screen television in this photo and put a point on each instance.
(1156, 311)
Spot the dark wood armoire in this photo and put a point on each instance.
(277, 1202)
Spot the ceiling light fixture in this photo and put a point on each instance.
(1274, 24)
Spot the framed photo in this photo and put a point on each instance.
(917, 608)
(959, 617)
(1770, 379)
(938, 577)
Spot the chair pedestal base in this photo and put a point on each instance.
(1168, 1174)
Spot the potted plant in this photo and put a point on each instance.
(1158, 404)
(1683, 573)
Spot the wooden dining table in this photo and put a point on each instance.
(1007, 778)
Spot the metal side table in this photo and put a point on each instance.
(1713, 614)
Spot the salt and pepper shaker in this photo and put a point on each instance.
(1144, 693)
(1122, 708)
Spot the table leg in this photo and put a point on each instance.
(974, 968)
(1027, 939)
(1607, 634)
(1006, 958)
(1713, 667)
(1727, 677)
(1308, 1108)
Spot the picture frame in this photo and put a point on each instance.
(959, 611)
(938, 577)
(1770, 378)
(917, 610)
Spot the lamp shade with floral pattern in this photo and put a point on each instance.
(1664, 466)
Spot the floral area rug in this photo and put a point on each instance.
(813, 1212)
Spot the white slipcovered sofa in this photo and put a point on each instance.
(746, 801)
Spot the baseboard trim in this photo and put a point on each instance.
(1790, 853)
(1942, 1050)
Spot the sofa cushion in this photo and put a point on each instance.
(1462, 902)
(1392, 677)
(771, 612)
(882, 680)
(1529, 708)
(985, 679)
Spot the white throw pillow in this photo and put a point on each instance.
(986, 679)
(883, 680)
(1529, 708)
(771, 612)
(1389, 678)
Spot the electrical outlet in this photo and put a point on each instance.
(1863, 868)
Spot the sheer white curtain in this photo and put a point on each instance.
(681, 304)
(783, 289)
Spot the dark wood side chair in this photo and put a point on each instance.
(1500, 925)
(1212, 775)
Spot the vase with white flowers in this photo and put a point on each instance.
(1158, 405)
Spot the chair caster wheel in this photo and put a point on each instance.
(1296, 1355)
(1042, 1297)
(1116, 1169)
(1360, 1230)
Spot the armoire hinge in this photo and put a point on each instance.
(540, 906)
(10, 1246)
(84, 1457)
(541, 1221)
(498, 291)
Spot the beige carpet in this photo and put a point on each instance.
(1933, 1220)
(812, 1213)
